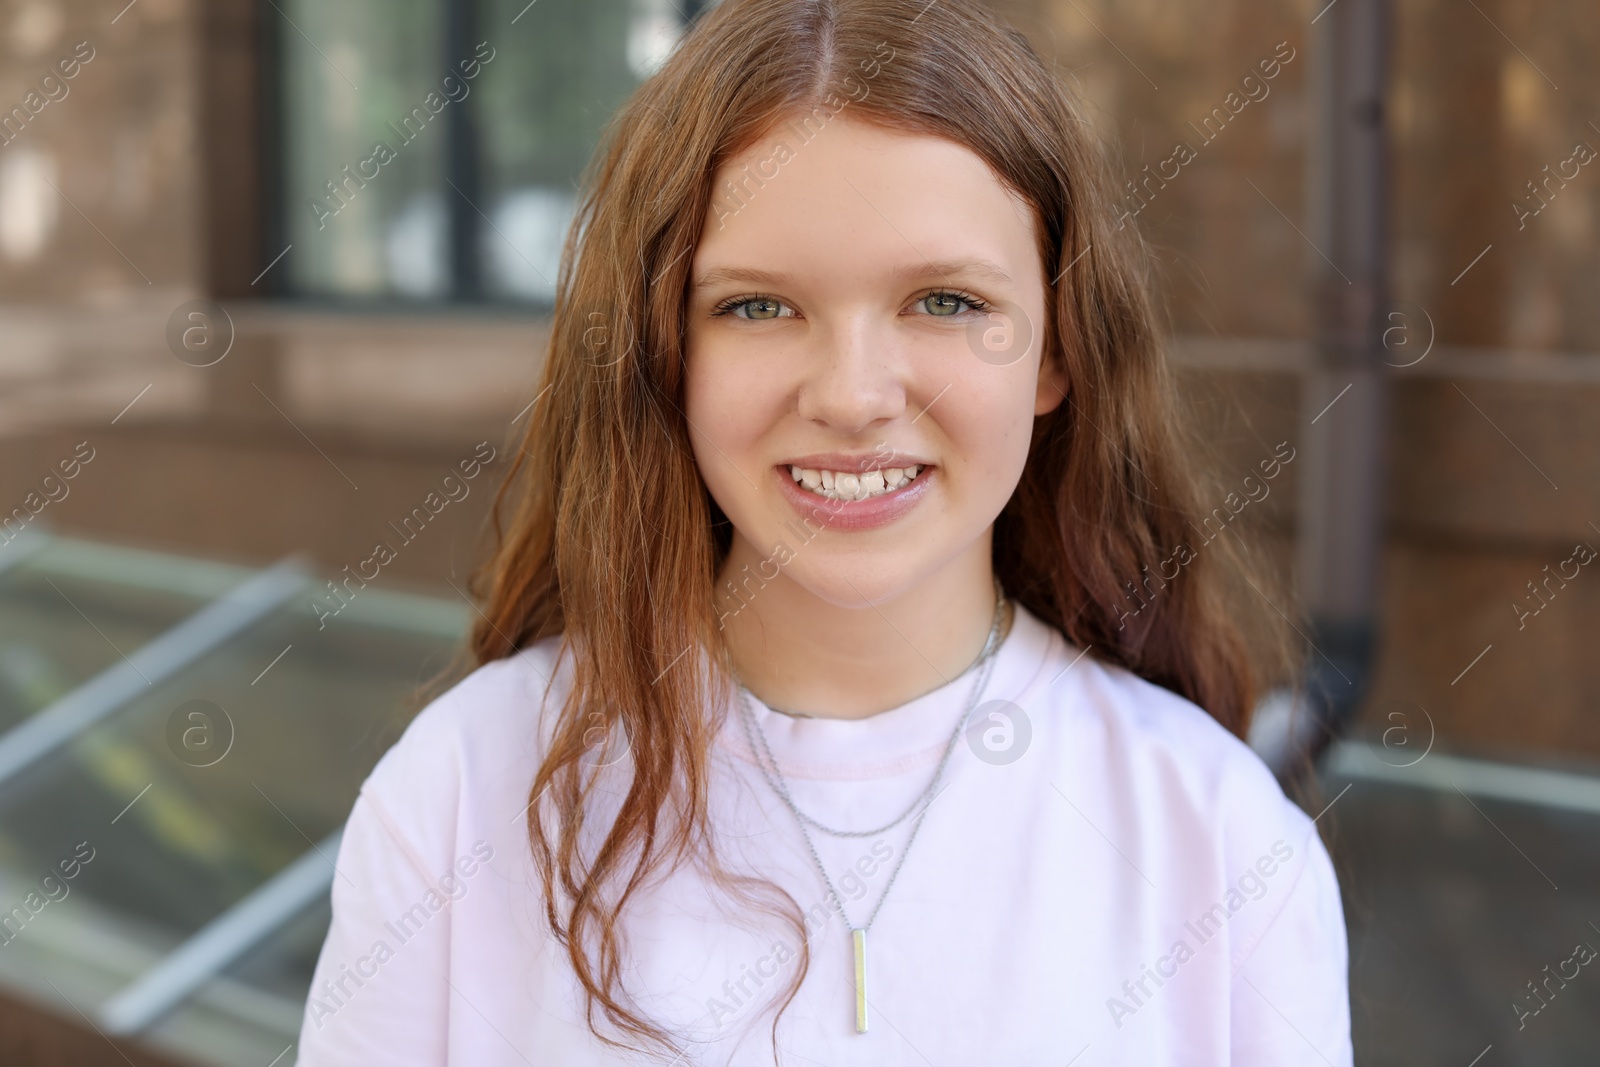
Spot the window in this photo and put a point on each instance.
(430, 149)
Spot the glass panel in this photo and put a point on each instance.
(60, 625)
(163, 832)
(252, 1012)
(558, 75)
(364, 147)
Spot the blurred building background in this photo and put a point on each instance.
(257, 360)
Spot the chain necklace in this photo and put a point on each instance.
(780, 786)
(858, 934)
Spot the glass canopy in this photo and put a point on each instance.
(180, 744)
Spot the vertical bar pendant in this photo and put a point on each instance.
(859, 937)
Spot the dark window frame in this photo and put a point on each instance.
(463, 168)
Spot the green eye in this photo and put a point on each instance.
(760, 309)
(753, 307)
(944, 304)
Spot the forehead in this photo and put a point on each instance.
(851, 200)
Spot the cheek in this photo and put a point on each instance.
(987, 439)
(727, 409)
(990, 428)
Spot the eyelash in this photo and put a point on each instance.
(974, 303)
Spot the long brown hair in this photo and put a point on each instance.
(613, 539)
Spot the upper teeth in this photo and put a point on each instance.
(847, 485)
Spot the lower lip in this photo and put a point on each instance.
(865, 514)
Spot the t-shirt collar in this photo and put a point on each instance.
(912, 734)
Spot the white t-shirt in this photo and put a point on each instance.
(1106, 877)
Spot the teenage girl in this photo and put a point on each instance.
(830, 705)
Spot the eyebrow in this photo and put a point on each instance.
(970, 266)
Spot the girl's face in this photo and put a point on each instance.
(868, 307)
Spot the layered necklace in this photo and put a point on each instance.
(769, 770)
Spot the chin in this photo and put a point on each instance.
(858, 585)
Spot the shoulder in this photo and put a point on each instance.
(471, 752)
(1131, 730)
(496, 708)
(436, 828)
(1185, 759)
(1209, 810)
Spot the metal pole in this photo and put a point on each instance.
(1341, 491)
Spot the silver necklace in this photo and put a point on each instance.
(780, 786)
(858, 934)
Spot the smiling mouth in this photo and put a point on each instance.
(850, 485)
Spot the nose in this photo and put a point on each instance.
(854, 377)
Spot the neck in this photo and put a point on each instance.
(799, 652)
